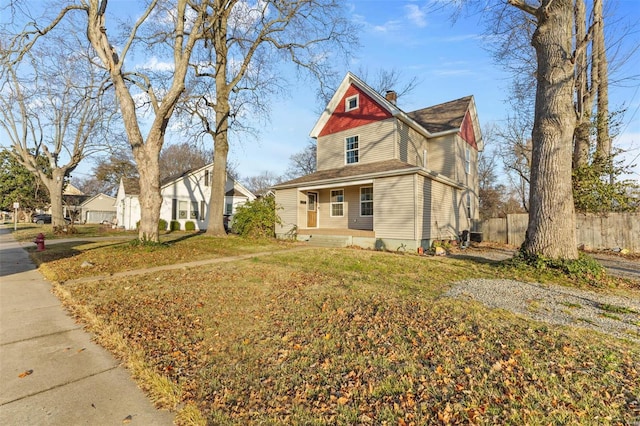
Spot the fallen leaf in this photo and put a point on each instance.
(127, 419)
(81, 349)
(25, 374)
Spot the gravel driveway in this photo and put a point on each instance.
(614, 315)
(611, 314)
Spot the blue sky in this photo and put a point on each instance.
(448, 58)
(450, 61)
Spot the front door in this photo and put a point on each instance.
(312, 209)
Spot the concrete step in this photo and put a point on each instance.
(333, 241)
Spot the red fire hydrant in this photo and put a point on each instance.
(39, 241)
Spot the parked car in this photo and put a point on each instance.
(41, 219)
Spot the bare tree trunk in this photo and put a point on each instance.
(55, 186)
(147, 159)
(219, 178)
(584, 97)
(551, 230)
(220, 153)
(603, 141)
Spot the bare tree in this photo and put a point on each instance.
(261, 183)
(168, 28)
(107, 172)
(179, 158)
(515, 150)
(53, 107)
(240, 61)
(384, 80)
(551, 230)
(303, 162)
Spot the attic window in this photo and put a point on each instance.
(351, 103)
(206, 178)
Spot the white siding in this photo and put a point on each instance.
(376, 143)
(395, 207)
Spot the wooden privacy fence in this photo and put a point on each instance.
(593, 231)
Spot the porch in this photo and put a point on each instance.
(337, 231)
(337, 237)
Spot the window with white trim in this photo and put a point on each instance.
(183, 207)
(366, 201)
(351, 103)
(352, 151)
(467, 160)
(337, 202)
(228, 208)
(194, 210)
(206, 177)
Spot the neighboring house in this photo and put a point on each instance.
(127, 203)
(98, 209)
(386, 178)
(185, 198)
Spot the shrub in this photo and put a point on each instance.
(189, 225)
(162, 225)
(257, 218)
(174, 225)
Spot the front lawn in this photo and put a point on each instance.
(341, 336)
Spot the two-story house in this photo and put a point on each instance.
(386, 178)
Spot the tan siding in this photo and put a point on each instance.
(424, 202)
(288, 200)
(324, 211)
(352, 194)
(445, 211)
(411, 145)
(469, 180)
(394, 208)
(441, 155)
(376, 143)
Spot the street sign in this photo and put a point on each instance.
(16, 205)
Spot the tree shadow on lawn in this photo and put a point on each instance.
(66, 250)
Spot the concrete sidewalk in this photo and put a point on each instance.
(51, 373)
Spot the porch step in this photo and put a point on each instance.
(333, 241)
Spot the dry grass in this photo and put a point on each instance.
(357, 337)
(83, 258)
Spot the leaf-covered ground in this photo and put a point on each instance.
(358, 337)
(84, 258)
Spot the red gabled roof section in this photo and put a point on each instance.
(467, 132)
(369, 111)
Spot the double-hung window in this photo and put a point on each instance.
(352, 150)
(366, 201)
(337, 202)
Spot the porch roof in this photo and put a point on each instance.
(358, 171)
(361, 172)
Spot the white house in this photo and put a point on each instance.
(128, 204)
(185, 198)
